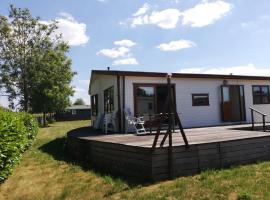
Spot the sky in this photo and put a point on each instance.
(185, 36)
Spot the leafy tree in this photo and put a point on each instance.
(79, 101)
(51, 90)
(33, 66)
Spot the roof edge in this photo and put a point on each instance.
(178, 75)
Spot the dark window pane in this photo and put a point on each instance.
(145, 100)
(264, 91)
(145, 91)
(265, 99)
(109, 100)
(94, 105)
(257, 99)
(261, 95)
(200, 99)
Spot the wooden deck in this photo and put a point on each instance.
(209, 148)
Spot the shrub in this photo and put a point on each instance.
(17, 131)
(50, 119)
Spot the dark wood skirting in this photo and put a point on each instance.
(135, 161)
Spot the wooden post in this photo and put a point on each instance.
(263, 122)
(150, 119)
(252, 119)
(170, 152)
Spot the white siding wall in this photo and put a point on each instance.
(101, 83)
(195, 116)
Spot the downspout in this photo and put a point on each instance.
(124, 103)
(119, 103)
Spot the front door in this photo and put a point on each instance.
(233, 103)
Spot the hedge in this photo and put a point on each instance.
(17, 131)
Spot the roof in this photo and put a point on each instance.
(78, 107)
(177, 75)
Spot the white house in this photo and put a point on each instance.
(201, 99)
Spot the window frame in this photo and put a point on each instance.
(94, 105)
(73, 111)
(154, 85)
(108, 108)
(200, 94)
(261, 95)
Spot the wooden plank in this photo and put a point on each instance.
(120, 159)
(244, 141)
(121, 153)
(121, 147)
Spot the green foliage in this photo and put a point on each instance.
(34, 67)
(244, 196)
(17, 131)
(79, 101)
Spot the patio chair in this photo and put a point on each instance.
(109, 119)
(98, 121)
(134, 123)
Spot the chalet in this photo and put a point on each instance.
(74, 112)
(201, 99)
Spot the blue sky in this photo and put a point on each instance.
(196, 36)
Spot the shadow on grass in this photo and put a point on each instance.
(57, 149)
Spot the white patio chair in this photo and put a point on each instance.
(106, 121)
(110, 119)
(134, 123)
(97, 122)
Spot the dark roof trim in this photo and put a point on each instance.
(178, 75)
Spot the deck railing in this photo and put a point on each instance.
(252, 117)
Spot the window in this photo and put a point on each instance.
(73, 112)
(200, 99)
(108, 100)
(94, 105)
(260, 94)
(150, 98)
(145, 100)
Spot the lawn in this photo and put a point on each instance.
(46, 172)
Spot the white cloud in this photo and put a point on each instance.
(125, 43)
(126, 61)
(202, 14)
(176, 45)
(249, 69)
(73, 32)
(114, 52)
(205, 13)
(166, 19)
(142, 10)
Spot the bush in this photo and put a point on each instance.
(50, 119)
(17, 131)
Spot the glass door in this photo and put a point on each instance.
(226, 105)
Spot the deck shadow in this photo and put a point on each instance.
(57, 149)
(248, 128)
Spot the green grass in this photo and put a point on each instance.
(46, 172)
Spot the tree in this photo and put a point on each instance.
(51, 90)
(33, 66)
(79, 101)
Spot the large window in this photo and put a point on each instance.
(200, 99)
(108, 100)
(261, 94)
(150, 98)
(94, 105)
